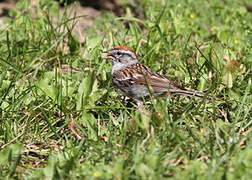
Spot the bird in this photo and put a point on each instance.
(137, 81)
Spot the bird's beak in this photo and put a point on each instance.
(110, 56)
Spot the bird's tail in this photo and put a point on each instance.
(192, 93)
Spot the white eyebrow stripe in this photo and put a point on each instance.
(126, 52)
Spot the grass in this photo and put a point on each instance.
(49, 79)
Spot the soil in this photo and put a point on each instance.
(90, 8)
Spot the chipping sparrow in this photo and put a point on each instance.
(137, 81)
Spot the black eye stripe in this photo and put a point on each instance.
(124, 53)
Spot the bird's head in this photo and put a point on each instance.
(121, 55)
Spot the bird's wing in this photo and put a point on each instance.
(140, 75)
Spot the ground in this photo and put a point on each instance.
(61, 118)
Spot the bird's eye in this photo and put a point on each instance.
(118, 53)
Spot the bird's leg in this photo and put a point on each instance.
(140, 105)
(146, 115)
(141, 108)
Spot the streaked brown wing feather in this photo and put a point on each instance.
(139, 74)
(137, 80)
(156, 84)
